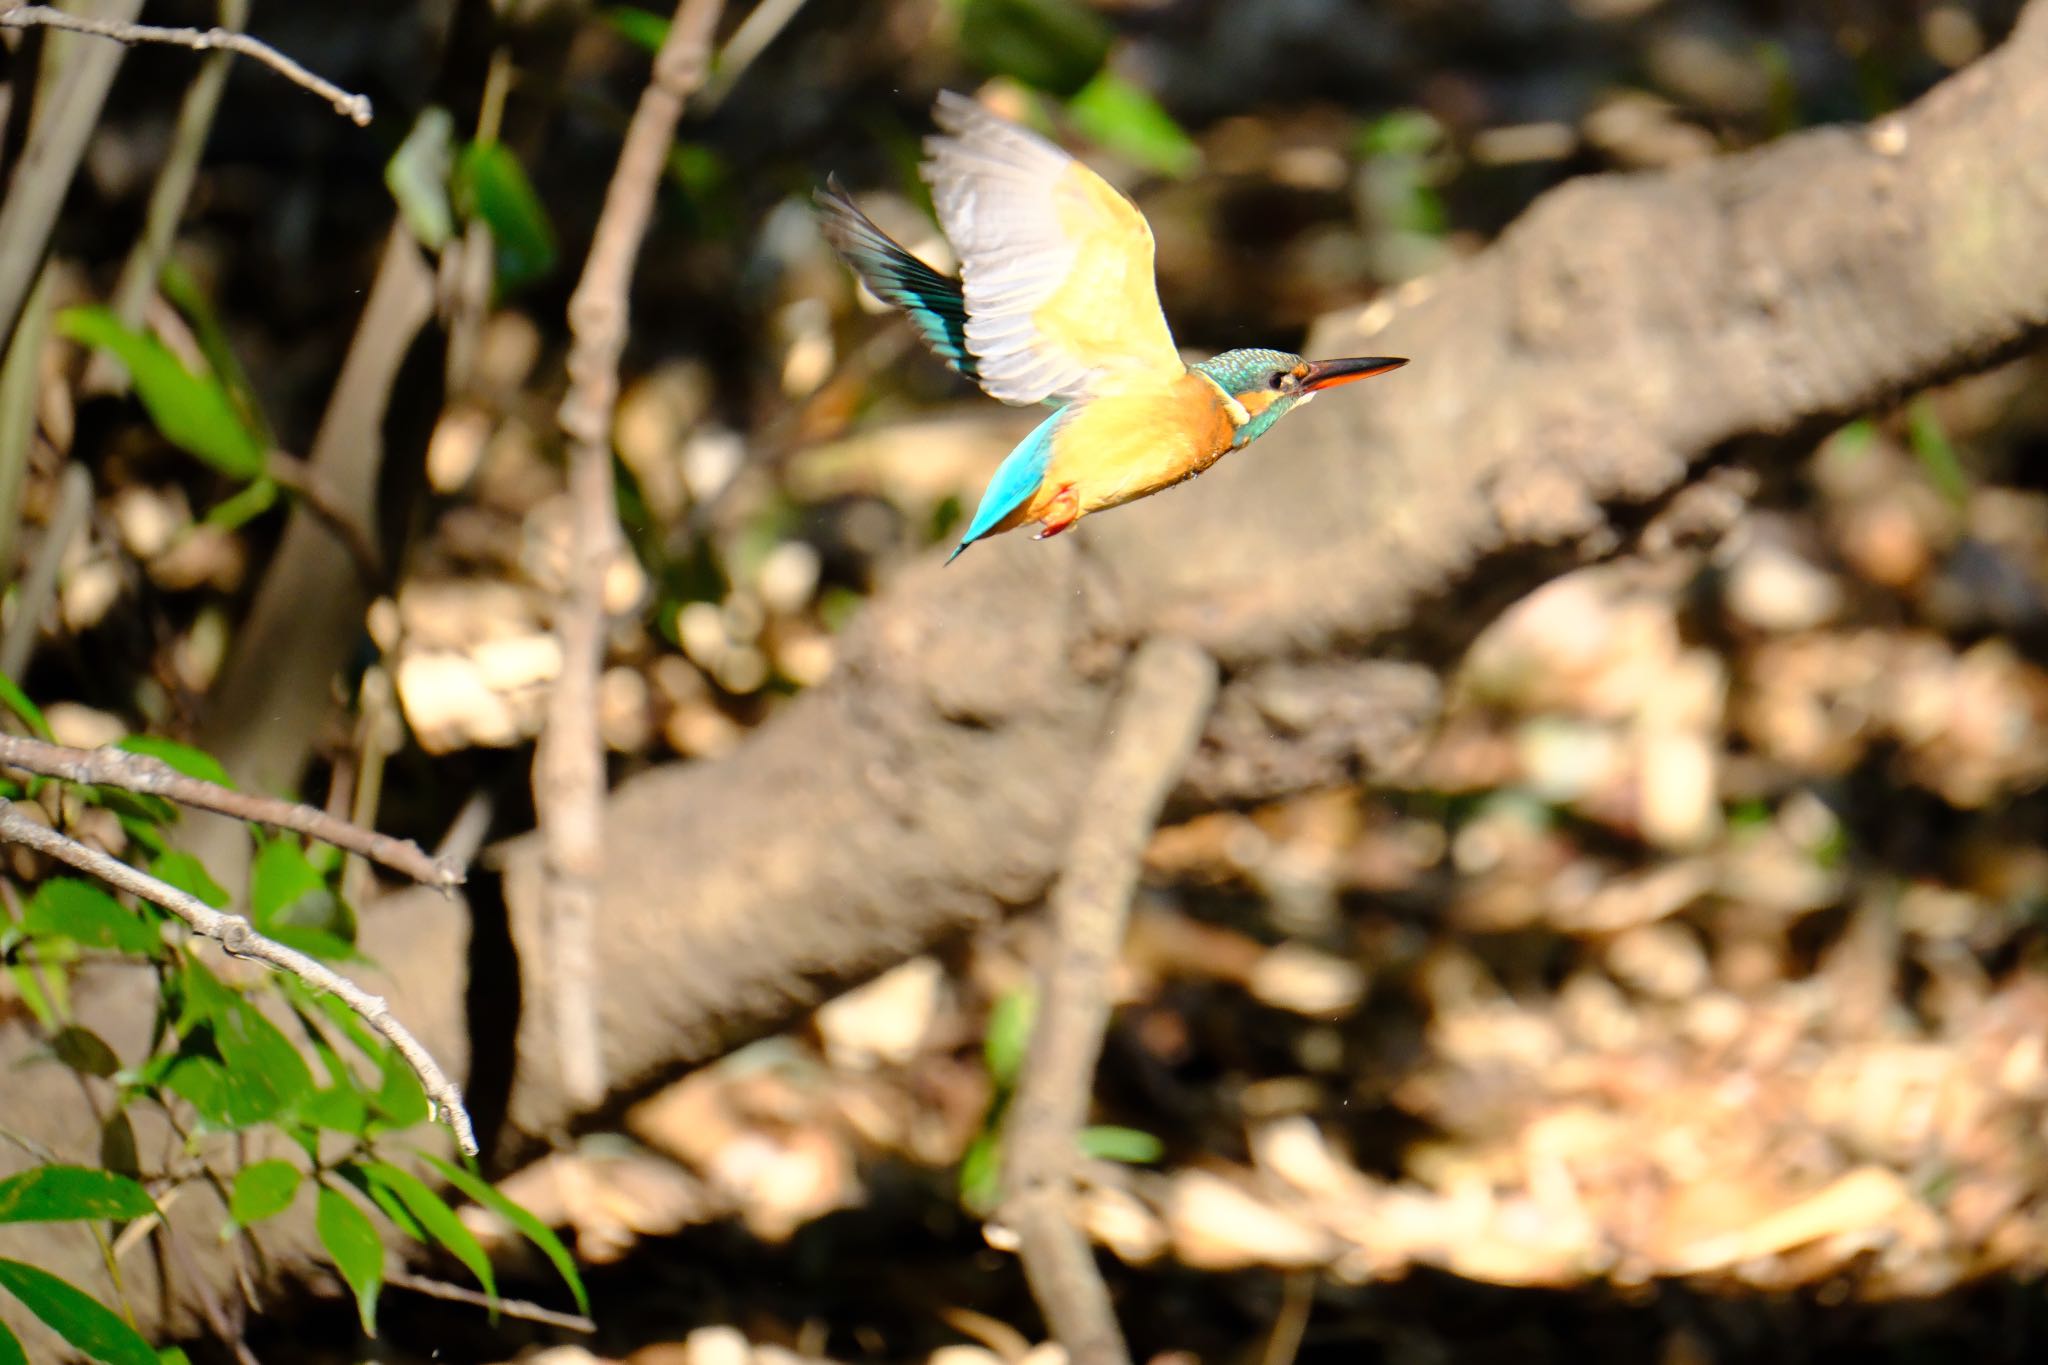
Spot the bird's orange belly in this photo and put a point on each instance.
(1120, 449)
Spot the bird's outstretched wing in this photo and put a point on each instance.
(933, 301)
(1056, 265)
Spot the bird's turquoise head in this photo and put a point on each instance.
(1270, 384)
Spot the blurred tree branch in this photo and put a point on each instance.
(1157, 722)
(568, 765)
(154, 777)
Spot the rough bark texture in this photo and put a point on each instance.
(1627, 327)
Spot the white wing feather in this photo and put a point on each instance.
(997, 189)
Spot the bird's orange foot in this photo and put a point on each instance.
(1063, 511)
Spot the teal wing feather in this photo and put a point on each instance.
(933, 301)
(1017, 478)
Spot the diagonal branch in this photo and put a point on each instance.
(356, 108)
(154, 777)
(234, 933)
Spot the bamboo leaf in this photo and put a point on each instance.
(491, 184)
(89, 1325)
(17, 701)
(193, 412)
(529, 1226)
(437, 1218)
(62, 1194)
(346, 1232)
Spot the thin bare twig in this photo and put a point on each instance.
(511, 1308)
(236, 935)
(304, 481)
(356, 108)
(1153, 729)
(154, 777)
(761, 27)
(209, 1302)
(568, 768)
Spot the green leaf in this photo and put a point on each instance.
(529, 1226)
(281, 878)
(172, 1355)
(181, 757)
(210, 1088)
(237, 1069)
(84, 1051)
(28, 985)
(316, 943)
(141, 814)
(346, 1232)
(10, 1348)
(1937, 454)
(399, 1097)
(1009, 1036)
(1055, 45)
(338, 1109)
(1107, 1142)
(193, 412)
(62, 1194)
(80, 1319)
(250, 1043)
(263, 1190)
(82, 911)
(1855, 438)
(437, 1218)
(491, 184)
(981, 1173)
(198, 994)
(17, 701)
(117, 1145)
(189, 875)
(1125, 119)
(294, 904)
(393, 1207)
(417, 176)
(180, 286)
(1402, 132)
(637, 26)
(249, 502)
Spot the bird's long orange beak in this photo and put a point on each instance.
(1328, 374)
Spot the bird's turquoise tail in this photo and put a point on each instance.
(933, 301)
(1016, 479)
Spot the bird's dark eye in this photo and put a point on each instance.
(1282, 380)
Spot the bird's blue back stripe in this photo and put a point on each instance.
(934, 302)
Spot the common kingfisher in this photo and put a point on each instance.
(1056, 303)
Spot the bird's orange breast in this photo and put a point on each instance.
(1133, 442)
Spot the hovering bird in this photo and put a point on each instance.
(1056, 303)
